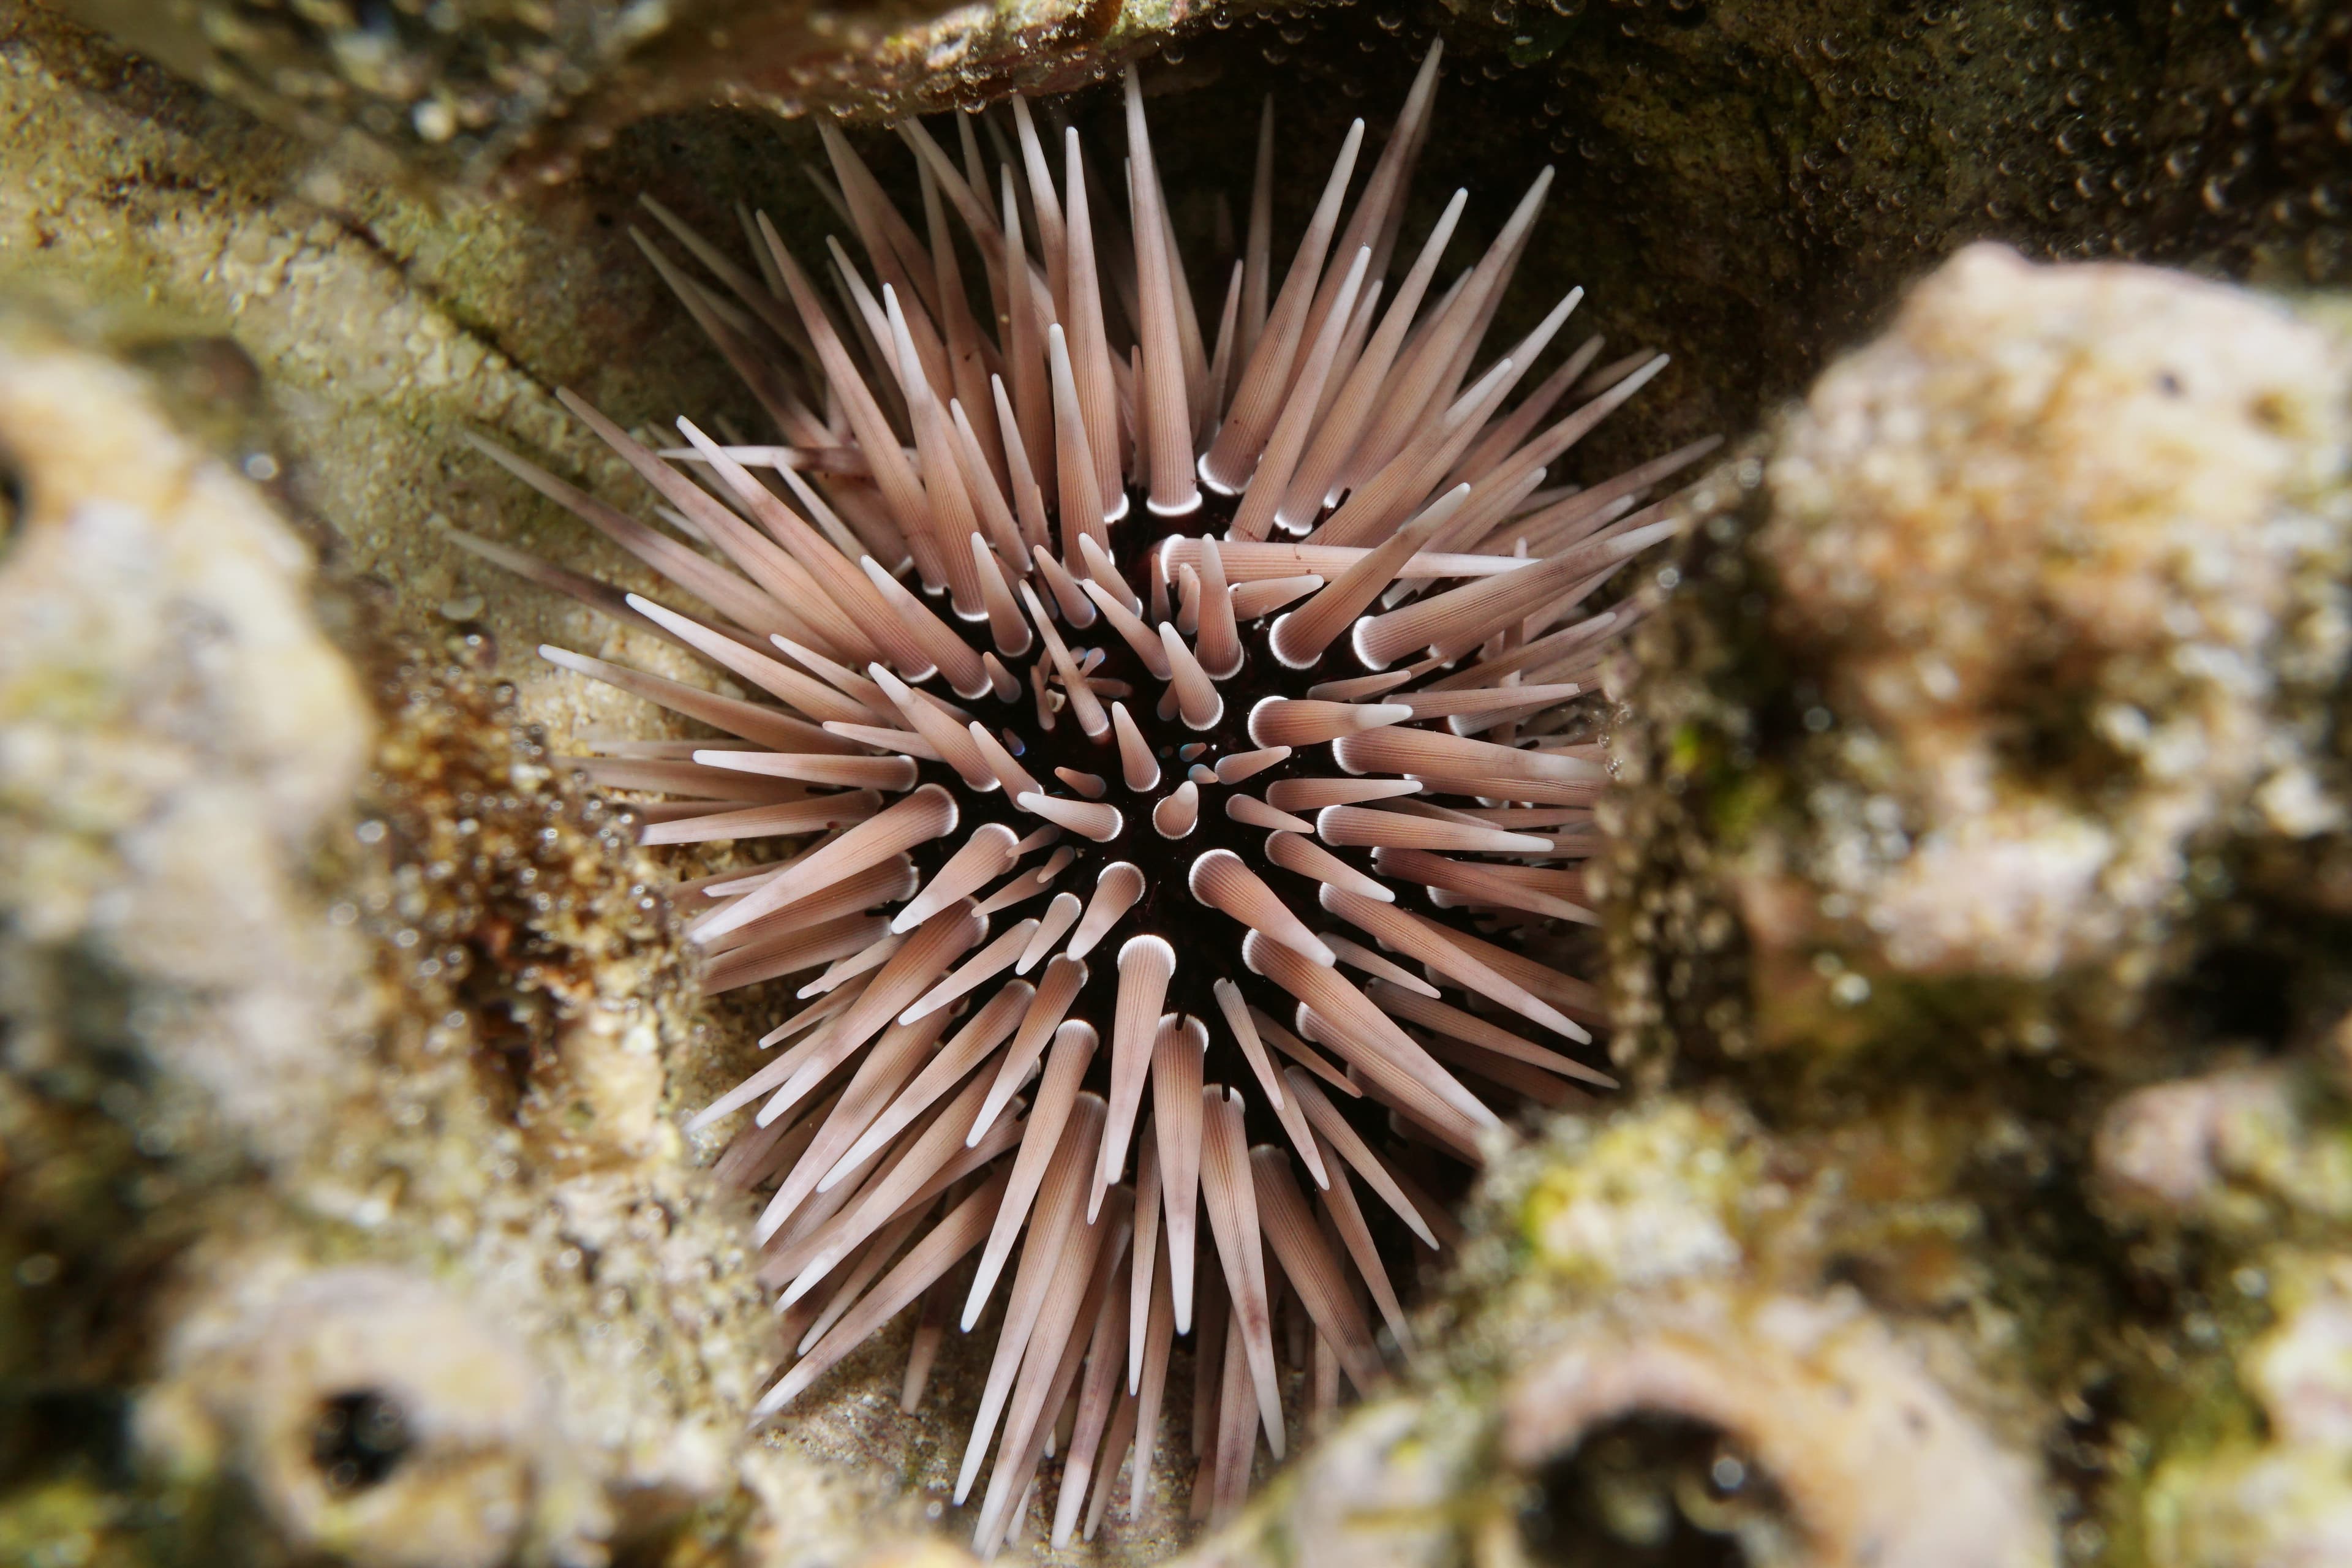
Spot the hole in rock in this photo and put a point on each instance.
(359, 1439)
(12, 503)
(1656, 1491)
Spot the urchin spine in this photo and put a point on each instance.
(1208, 784)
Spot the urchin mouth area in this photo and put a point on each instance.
(1120, 664)
(1046, 736)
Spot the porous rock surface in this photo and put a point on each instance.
(2069, 548)
(343, 1215)
(2019, 640)
(1981, 777)
(177, 729)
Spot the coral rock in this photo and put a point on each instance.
(1871, 1459)
(2061, 537)
(1996, 653)
(380, 1419)
(177, 729)
(2244, 1150)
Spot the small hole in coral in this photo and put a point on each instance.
(2239, 992)
(12, 503)
(359, 1439)
(1656, 1491)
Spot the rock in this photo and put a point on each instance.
(2248, 1151)
(2274, 1501)
(2302, 1370)
(1376, 1490)
(178, 733)
(2068, 545)
(468, 87)
(1811, 1434)
(1982, 776)
(1645, 1201)
(1749, 185)
(308, 962)
(1657, 1341)
(2048, 588)
(377, 1418)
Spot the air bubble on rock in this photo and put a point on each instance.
(434, 119)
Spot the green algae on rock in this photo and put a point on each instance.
(2274, 1496)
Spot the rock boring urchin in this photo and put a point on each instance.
(1128, 1021)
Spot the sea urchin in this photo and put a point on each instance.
(1173, 742)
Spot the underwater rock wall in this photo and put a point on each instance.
(1979, 909)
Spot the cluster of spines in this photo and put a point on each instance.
(920, 1117)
